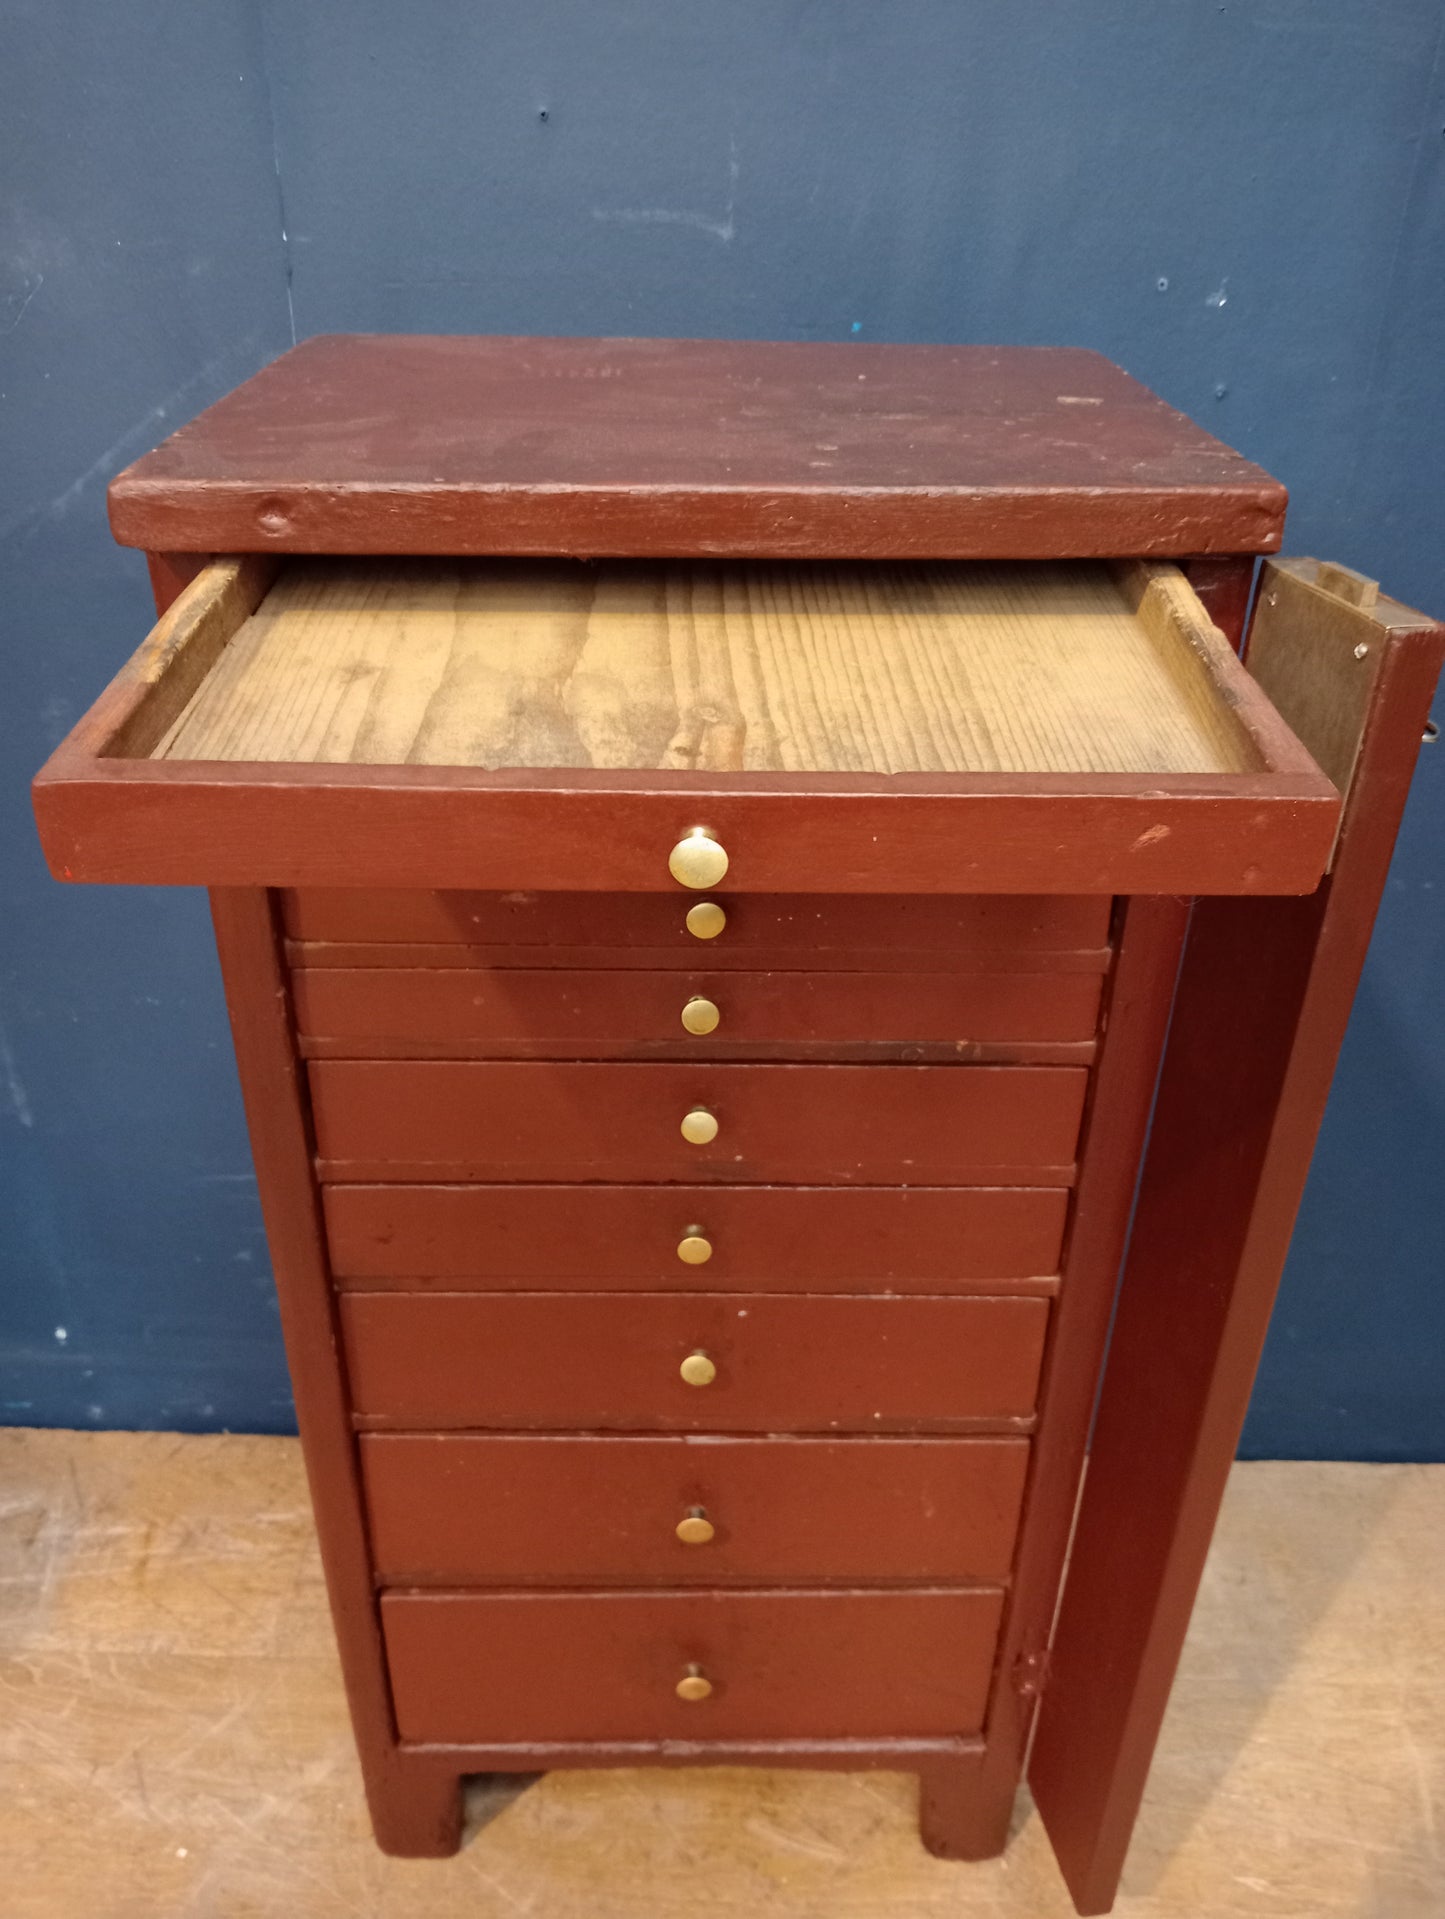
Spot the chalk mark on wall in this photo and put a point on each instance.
(14, 1086)
(723, 229)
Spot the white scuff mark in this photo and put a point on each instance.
(667, 217)
(724, 229)
(134, 436)
(1220, 295)
(288, 265)
(806, 1845)
(1420, 1769)
(30, 292)
(14, 1086)
(512, 1900)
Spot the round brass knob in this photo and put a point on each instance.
(696, 1529)
(698, 1370)
(700, 1015)
(694, 1685)
(697, 861)
(694, 1248)
(705, 920)
(699, 1127)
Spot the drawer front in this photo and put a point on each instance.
(938, 1125)
(763, 1239)
(614, 1362)
(376, 1011)
(495, 1668)
(963, 929)
(466, 1510)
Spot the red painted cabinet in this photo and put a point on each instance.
(699, 1008)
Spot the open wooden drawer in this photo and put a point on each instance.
(939, 727)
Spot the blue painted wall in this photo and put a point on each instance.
(1244, 205)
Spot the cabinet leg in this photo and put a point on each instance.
(963, 1813)
(416, 1810)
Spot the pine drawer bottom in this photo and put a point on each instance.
(478, 1668)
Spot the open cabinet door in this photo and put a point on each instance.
(1263, 999)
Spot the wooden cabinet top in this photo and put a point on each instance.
(462, 445)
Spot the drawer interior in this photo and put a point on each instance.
(498, 725)
(945, 667)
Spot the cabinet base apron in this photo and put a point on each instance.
(415, 1795)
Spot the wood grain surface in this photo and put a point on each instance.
(605, 1665)
(484, 1510)
(763, 1238)
(183, 648)
(416, 444)
(175, 1736)
(604, 827)
(578, 1362)
(545, 1120)
(844, 669)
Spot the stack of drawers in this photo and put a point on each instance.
(695, 1260)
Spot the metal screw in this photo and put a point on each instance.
(1361, 650)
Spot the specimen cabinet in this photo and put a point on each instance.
(717, 852)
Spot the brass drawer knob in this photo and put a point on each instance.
(697, 860)
(705, 920)
(698, 1370)
(699, 1127)
(696, 1529)
(700, 1015)
(694, 1685)
(694, 1248)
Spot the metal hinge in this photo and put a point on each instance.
(1031, 1673)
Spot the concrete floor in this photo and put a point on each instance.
(173, 1739)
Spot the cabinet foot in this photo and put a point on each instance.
(416, 1810)
(962, 1813)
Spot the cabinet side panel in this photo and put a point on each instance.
(1136, 1016)
(272, 1086)
(1264, 996)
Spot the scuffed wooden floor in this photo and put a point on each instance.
(173, 1739)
